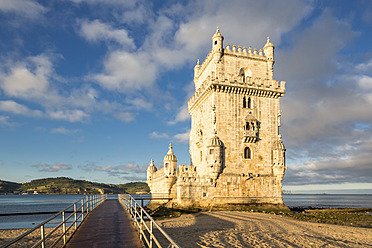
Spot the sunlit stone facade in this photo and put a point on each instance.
(237, 156)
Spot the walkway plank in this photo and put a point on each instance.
(109, 225)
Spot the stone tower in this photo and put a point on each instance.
(237, 155)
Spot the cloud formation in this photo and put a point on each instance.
(127, 171)
(62, 130)
(96, 30)
(326, 129)
(43, 167)
(23, 8)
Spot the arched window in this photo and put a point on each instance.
(249, 103)
(246, 127)
(242, 74)
(244, 103)
(247, 153)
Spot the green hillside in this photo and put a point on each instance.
(8, 187)
(64, 185)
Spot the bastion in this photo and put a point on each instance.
(237, 155)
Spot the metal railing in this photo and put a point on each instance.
(145, 224)
(78, 214)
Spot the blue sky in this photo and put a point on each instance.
(93, 89)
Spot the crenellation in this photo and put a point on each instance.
(237, 156)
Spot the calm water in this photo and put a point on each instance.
(49, 203)
(328, 200)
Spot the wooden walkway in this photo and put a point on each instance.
(109, 225)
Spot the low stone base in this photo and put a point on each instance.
(260, 207)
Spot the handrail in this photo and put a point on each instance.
(87, 204)
(145, 232)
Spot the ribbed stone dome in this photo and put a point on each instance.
(215, 141)
(152, 167)
(278, 145)
(170, 155)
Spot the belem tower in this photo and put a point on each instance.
(237, 155)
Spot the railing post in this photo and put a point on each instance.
(87, 203)
(75, 215)
(141, 226)
(151, 234)
(64, 227)
(82, 210)
(42, 236)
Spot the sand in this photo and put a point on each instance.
(7, 235)
(246, 229)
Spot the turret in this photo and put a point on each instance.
(215, 156)
(279, 158)
(197, 70)
(151, 170)
(170, 163)
(269, 53)
(217, 44)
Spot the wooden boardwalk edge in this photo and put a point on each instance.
(109, 225)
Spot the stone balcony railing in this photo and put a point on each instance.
(250, 136)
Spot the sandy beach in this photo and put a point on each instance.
(246, 229)
(7, 235)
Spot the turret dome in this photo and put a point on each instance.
(217, 34)
(215, 141)
(152, 167)
(268, 43)
(278, 145)
(170, 155)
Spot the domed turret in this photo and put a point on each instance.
(152, 168)
(170, 162)
(278, 144)
(269, 53)
(215, 156)
(150, 172)
(170, 155)
(217, 43)
(215, 141)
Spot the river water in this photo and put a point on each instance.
(49, 203)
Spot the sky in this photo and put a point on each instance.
(95, 89)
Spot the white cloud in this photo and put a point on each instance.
(156, 135)
(182, 115)
(126, 71)
(182, 137)
(124, 116)
(127, 3)
(23, 8)
(52, 168)
(75, 115)
(33, 79)
(139, 103)
(365, 67)
(131, 170)
(365, 83)
(96, 31)
(16, 108)
(5, 121)
(63, 130)
(28, 79)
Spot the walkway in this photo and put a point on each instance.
(109, 225)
